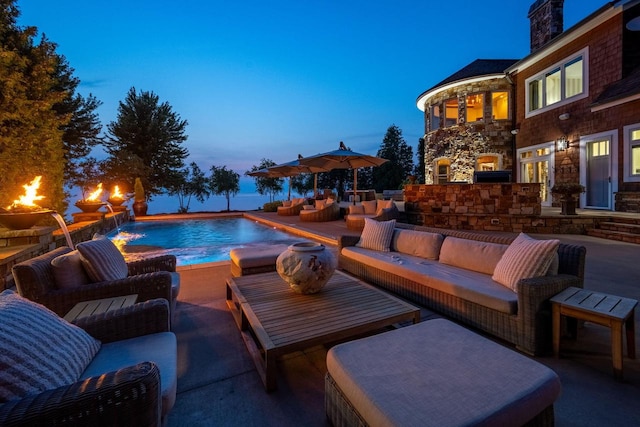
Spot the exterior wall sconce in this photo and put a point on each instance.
(561, 143)
(515, 131)
(564, 116)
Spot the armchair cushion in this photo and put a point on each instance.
(370, 207)
(68, 270)
(40, 351)
(102, 260)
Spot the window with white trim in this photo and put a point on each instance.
(559, 84)
(632, 153)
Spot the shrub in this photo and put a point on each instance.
(272, 206)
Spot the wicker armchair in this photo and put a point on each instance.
(294, 209)
(131, 395)
(356, 221)
(149, 278)
(330, 212)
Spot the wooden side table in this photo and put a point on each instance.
(99, 306)
(603, 309)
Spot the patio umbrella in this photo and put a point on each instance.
(289, 170)
(343, 158)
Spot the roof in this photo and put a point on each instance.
(623, 88)
(478, 68)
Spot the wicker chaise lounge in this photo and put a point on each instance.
(379, 210)
(294, 208)
(328, 212)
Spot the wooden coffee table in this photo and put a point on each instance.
(274, 320)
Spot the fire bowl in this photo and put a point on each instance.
(89, 207)
(22, 220)
(115, 202)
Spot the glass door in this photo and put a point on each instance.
(535, 168)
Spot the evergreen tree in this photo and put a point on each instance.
(393, 173)
(419, 168)
(145, 141)
(30, 129)
(225, 182)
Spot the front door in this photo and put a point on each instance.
(598, 174)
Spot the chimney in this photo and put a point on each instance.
(546, 18)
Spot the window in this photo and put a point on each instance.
(443, 169)
(435, 117)
(558, 85)
(632, 153)
(451, 112)
(500, 105)
(475, 107)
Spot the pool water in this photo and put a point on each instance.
(194, 241)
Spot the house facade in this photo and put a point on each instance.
(574, 113)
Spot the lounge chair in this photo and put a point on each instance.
(322, 212)
(379, 210)
(293, 208)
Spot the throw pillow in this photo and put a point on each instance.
(369, 207)
(286, 203)
(524, 258)
(68, 271)
(320, 204)
(376, 235)
(102, 260)
(40, 351)
(356, 210)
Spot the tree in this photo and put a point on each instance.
(146, 141)
(393, 173)
(226, 182)
(30, 128)
(419, 168)
(265, 185)
(303, 183)
(189, 182)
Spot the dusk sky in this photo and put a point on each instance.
(271, 79)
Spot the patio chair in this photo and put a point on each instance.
(323, 212)
(379, 210)
(294, 208)
(115, 368)
(61, 287)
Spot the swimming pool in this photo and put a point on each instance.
(195, 241)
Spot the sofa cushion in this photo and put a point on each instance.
(319, 204)
(418, 243)
(524, 258)
(376, 235)
(356, 210)
(459, 282)
(308, 208)
(441, 374)
(39, 350)
(383, 204)
(159, 348)
(471, 254)
(370, 207)
(68, 270)
(102, 260)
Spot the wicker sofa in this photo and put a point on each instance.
(522, 318)
(293, 207)
(380, 210)
(324, 210)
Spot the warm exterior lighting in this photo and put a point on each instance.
(561, 143)
(30, 196)
(95, 195)
(116, 194)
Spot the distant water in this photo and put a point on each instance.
(246, 200)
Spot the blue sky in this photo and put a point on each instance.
(271, 79)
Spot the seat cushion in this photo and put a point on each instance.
(256, 256)
(441, 372)
(160, 348)
(38, 349)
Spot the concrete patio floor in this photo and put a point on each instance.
(218, 384)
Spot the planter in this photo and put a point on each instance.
(568, 206)
(140, 208)
(115, 201)
(88, 207)
(306, 267)
(22, 220)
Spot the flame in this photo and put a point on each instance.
(116, 194)
(30, 195)
(95, 196)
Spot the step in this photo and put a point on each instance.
(615, 235)
(620, 226)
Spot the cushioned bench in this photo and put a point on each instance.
(436, 373)
(255, 259)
